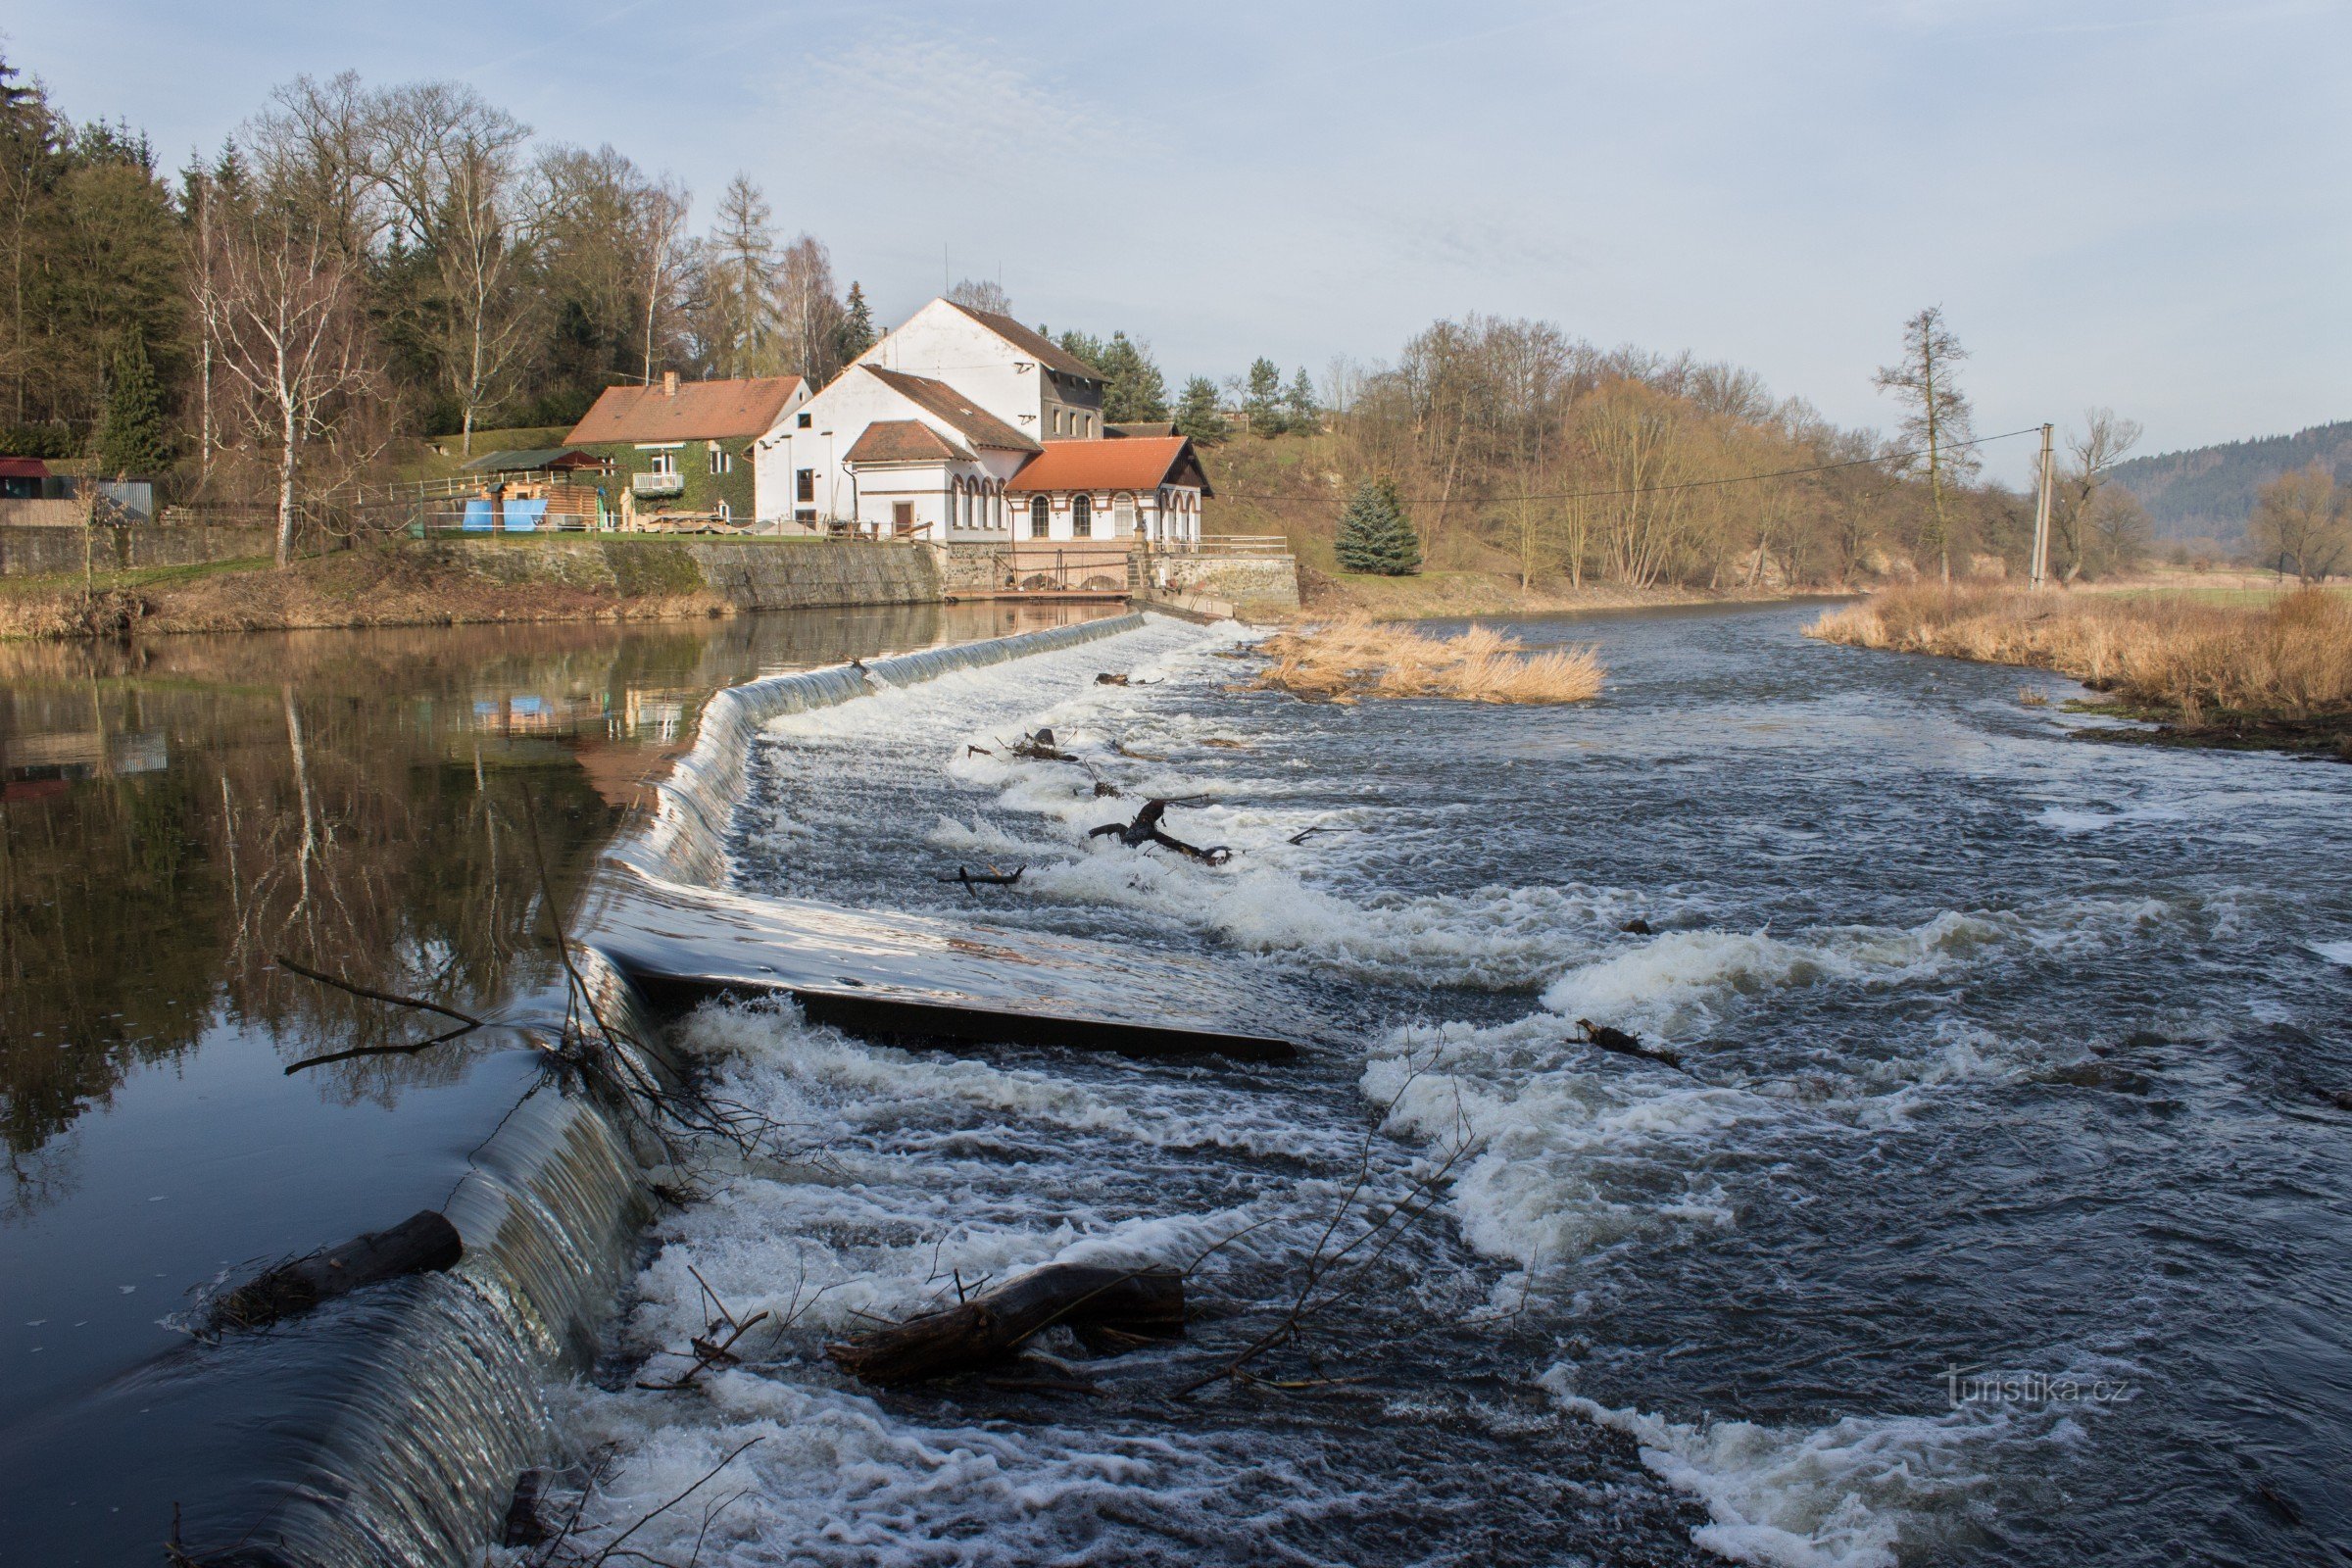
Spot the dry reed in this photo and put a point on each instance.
(2289, 659)
(1357, 657)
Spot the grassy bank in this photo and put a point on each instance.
(2270, 673)
(1462, 595)
(391, 585)
(1348, 659)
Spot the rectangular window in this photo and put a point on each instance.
(803, 485)
(805, 515)
(805, 421)
(663, 460)
(721, 460)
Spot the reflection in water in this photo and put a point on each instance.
(178, 812)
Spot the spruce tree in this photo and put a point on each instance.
(1197, 411)
(1300, 408)
(1375, 536)
(132, 437)
(856, 325)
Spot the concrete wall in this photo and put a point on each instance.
(748, 574)
(43, 549)
(1242, 585)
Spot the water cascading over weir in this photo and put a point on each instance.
(430, 1389)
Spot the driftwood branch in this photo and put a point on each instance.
(425, 1243)
(357, 990)
(1625, 1045)
(1110, 1309)
(993, 879)
(1145, 829)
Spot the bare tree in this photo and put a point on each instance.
(669, 257)
(1634, 443)
(318, 148)
(1939, 416)
(811, 309)
(2104, 441)
(2303, 518)
(453, 165)
(740, 273)
(982, 294)
(287, 327)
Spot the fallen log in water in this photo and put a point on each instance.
(423, 1244)
(1145, 829)
(1109, 1309)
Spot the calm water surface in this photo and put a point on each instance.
(171, 819)
(1998, 1214)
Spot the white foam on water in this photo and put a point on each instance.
(1865, 1492)
(911, 1173)
(2333, 952)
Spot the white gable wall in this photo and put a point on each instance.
(836, 417)
(943, 343)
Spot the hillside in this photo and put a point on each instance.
(2208, 492)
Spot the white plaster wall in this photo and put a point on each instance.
(943, 343)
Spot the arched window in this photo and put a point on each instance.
(1122, 515)
(1081, 516)
(1041, 517)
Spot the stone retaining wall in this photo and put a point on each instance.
(43, 549)
(749, 573)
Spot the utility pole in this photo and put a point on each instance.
(2042, 517)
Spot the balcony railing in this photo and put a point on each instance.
(658, 484)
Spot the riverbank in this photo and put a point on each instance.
(1462, 595)
(2266, 673)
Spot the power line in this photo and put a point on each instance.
(1648, 490)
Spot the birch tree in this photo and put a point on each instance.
(285, 324)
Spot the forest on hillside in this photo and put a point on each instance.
(2210, 492)
(357, 269)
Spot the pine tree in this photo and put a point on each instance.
(1299, 407)
(131, 436)
(1197, 411)
(1084, 347)
(1263, 400)
(856, 325)
(1375, 536)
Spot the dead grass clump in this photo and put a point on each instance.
(2291, 657)
(1357, 657)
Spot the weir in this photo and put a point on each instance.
(431, 1401)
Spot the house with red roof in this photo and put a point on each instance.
(685, 446)
(965, 426)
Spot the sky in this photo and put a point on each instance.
(2139, 206)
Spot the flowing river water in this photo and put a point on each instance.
(1994, 1214)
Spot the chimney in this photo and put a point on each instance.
(669, 383)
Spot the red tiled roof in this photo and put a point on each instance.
(1047, 352)
(903, 441)
(958, 411)
(702, 411)
(1138, 462)
(23, 469)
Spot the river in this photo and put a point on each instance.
(174, 816)
(1995, 1213)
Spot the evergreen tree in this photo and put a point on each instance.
(1135, 391)
(856, 325)
(1263, 399)
(1375, 536)
(1084, 346)
(1197, 411)
(1300, 408)
(132, 437)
